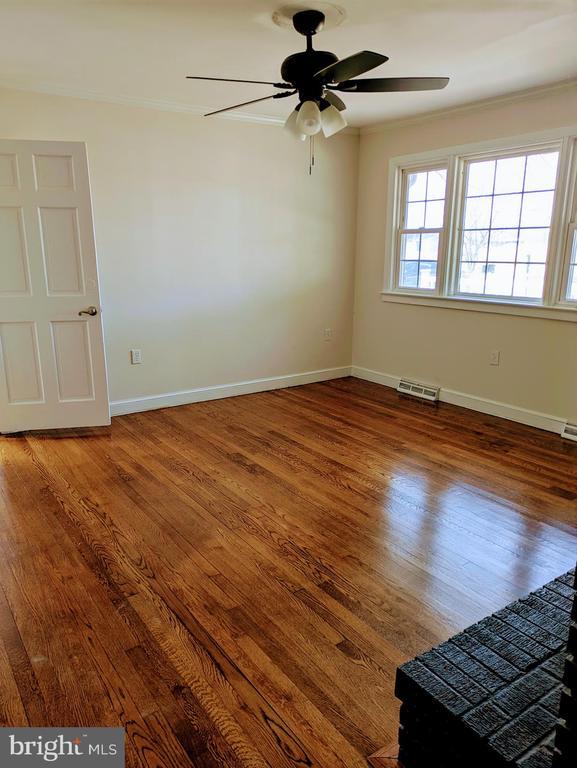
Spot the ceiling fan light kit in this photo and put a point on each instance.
(309, 118)
(316, 75)
(332, 121)
(292, 127)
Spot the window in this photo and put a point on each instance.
(489, 226)
(571, 293)
(421, 227)
(506, 222)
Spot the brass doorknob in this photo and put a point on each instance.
(89, 311)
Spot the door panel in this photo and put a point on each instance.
(54, 171)
(8, 171)
(71, 343)
(61, 249)
(52, 365)
(14, 267)
(21, 363)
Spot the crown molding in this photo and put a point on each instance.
(471, 106)
(49, 89)
(165, 105)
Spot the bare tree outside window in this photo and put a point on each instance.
(491, 222)
(506, 223)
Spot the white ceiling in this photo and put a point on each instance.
(143, 50)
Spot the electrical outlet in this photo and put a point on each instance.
(328, 334)
(495, 357)
(135, 356)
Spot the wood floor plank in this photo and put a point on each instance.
(236, 581)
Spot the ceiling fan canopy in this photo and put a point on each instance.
(316, 75)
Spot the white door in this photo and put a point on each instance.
(52, 366)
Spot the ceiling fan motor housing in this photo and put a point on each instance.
(300, 69)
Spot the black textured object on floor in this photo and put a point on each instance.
(500, 694)
(566, 734)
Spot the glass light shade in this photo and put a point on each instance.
(291, 126)
(332, 121)
(309, 118)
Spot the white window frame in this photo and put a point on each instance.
(571, 239)
(568, 228)
(554, 303)
(401, 230)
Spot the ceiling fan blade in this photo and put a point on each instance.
(354, 65)
(335, 100)
(252, 101)
(384, 84)
(231, 80)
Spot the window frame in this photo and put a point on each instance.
(569, 228)
(554, 302)
(465, 161)
(571, 245)
(403, 230)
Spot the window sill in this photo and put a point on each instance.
(564, 313)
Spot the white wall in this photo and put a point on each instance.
(450, 347)
(224, 261)
(219, 256)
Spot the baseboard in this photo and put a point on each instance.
(152, 402)
(473, 403)
(200, 394)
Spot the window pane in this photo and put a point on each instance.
(477, 212)
(429, 246)
(437, 184)
(529, 280)
(415, 215)
(427, 274)
(472, 278)
(409, 274)
(474, 247)
(533, 245)
(410, 246)
(480, 178)
(510, 173)
(572, 287)
(503, 244)
(499, 279)
(537, 208)
(416, 186)
(510, 200)
(541, 171)
(434, 214)
(423, 208)
(506, 209)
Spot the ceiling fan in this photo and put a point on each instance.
(316, 75)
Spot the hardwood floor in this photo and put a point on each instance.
(236, 581)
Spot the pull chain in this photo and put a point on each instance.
(311, 154)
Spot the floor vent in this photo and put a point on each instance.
(419, 390)
(570, 431)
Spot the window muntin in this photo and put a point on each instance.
(421, 227)
(506, 221)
